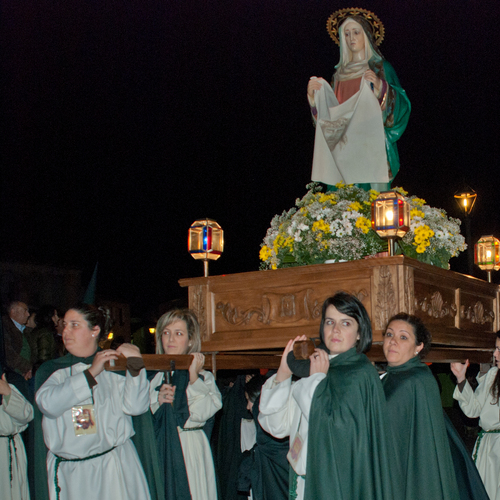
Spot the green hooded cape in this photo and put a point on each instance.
(416, 419)
(144, 439)
(348, 451)
(169, 448)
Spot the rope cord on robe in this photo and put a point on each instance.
(61, 459)
(10, 437)
(480, 436)
(186, 429)
(293, 477)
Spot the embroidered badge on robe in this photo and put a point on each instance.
(84, 421)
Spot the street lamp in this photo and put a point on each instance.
(390, 217)
(466, 197)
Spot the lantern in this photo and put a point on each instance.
(487, 254)
(205, 241)
(465, 197)
(390, 217)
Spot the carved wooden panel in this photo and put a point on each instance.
(198, 303)
(476, 312)
(435, 304)
(275, 307)
(385, 295)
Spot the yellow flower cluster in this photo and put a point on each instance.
(282, 242)
(419, 202)
(415, 212)
(324, 197)
(355, 206)
(320, 225)
(265, 253)
(364, 224)
(422, 237)
(373, 195)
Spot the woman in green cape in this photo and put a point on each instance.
(422, 436)
(339, 444)
(183, 408)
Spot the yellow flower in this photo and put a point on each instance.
(419, 202)
(364, 224)
(321, 225)
(340, 185)
(421, 249)
(265, 253)
(415, 212)
(355, 206)
(373, 194)
(324, 197)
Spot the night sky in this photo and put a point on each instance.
(123, 122)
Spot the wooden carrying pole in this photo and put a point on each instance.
(218, 361)
(213, 361)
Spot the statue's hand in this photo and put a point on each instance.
(315, 83)
(371, 77)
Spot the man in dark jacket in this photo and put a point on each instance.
(16, 346)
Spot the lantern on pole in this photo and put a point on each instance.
(205, 241)
(487, 254)
(465, 198)
(390, 217)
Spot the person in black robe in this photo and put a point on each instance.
(265, 470)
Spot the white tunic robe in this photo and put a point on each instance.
(284, 411)
(204, 401)
(116, 475)
(478, 404)
(15, 413)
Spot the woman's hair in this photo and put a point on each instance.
(95, 316)
(348, 304)
(422, 335)
(193, 329)
(254, 386)
(43, 318)
(495, 386)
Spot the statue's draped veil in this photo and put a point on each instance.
(349, 70)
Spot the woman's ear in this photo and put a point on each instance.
(95, 331)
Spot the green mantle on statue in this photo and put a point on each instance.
(416, 419)
(395, 116)
(348, 452)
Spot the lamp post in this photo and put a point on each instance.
(466, 198)
(205, 241)
(487, 254)
(390, 217)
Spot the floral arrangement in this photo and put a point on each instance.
(337, 226)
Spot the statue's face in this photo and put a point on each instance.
(354, 37)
